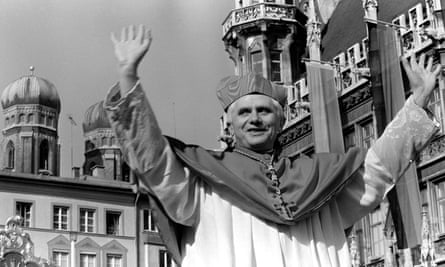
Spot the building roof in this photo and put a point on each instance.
(84, 187)
(95, 118)
(31, 89)
(346, 26)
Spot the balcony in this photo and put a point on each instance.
(257, 12)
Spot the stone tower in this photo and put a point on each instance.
(31, 108)
(266, 37)
(103, 157)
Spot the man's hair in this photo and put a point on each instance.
(278, 109)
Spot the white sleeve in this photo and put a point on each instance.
(406, 135)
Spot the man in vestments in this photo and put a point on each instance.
(250, 206)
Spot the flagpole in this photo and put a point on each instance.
(72, 122)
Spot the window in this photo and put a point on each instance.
(60, 258)
(125, 172)
(87, 220)
(149, 222)
(42, 119)
(376, 220)
(44, 153)
(114, 260)
(349, 139)
(275, 63)
(50, 121)
(440, 195)
(113, 222)
(11, 155)
(257, 62)
(289, 2)
(31, 118)
(87, 260)
(104, 141)
(165, 259)
(21, 118)
(366, 134)
(23, 209)
(60, 218)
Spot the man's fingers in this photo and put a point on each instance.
(437, 70)
(124, 34)
(148, 35)
(131, 32)
(113, 38)
(430, 64)
(141, 33)
(421, 61)
(407, 66)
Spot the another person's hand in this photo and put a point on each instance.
(422, 79)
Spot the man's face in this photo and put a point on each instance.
(255, 122)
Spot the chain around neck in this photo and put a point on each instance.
(251, 156)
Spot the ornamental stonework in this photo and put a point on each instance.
(295, 132)
(356, 98)
(16, 247)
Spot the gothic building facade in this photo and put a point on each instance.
(272, 37)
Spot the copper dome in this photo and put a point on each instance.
(95, 118)
(31, 90)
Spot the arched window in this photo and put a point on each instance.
(89, 145)
(104, 141)
(49, 121)
(31, 118)
(22, 118)
(42, 119)
(11, 155)
(44, 154)
(125, 172)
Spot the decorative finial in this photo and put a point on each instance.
(31, 69)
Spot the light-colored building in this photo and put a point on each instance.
(93, 219)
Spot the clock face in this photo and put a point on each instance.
(12, 259)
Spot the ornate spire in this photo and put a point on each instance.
(427, 252)
(313, 28)
(370, 7)
(354, 251)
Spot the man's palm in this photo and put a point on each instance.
(131, 47)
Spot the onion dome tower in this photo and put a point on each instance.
(266, 37)
(31, 108)
(103, 157)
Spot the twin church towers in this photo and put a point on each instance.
(31, 109)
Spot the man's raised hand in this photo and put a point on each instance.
(131, 47)
(129, 51)
(422, 79)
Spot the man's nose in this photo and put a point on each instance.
(255, 118)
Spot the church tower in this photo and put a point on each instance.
(266, 37)
(103, 157)
(31, 108)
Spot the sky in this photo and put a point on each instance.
(68, 43)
